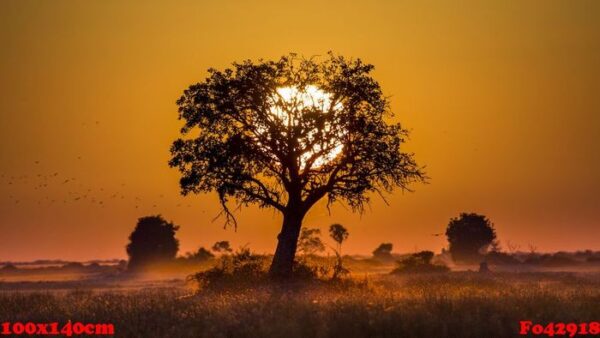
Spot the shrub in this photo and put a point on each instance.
(239, 269)
(73, 266)
(244, 269)
(9, 268)
(339, 234)
(419, 262)
(200, 255)
(501, 258)
(383, 251)
(552, 260)
(222, 247)
(593, 259)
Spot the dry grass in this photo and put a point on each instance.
(447, 305)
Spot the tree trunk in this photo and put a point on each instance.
(283, 261)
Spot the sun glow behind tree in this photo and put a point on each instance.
(287, 106)
(286, 134)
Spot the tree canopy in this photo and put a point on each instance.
(469, 235)
(222, 247)
(383, 251)
(284, 134)
(152, 241)
(242, 148)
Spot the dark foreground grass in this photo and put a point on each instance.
(449, 305)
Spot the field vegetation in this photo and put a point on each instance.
(232, 297)
(466, 304)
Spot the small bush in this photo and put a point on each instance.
(73, 266)
(303, 271)
(419, 262)
(552, 260)
(222, 247)
(501, 258)
(593, 259)
(383, 252)
(242, 268)
(201, 255)
(339, 270)
(9, 268)
(339, 234)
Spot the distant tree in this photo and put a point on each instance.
(73, 266)
(383, 251)
(152, 241)
(310, 242)
(495, 246)
(532, 249)
(424, 256)
(9, 267)
(222, 247)
(241, 268)
(339, 234)
(512, 247)
(419, 262)
(469, 237)
(200, 255)
(286, 134)
(94, 266)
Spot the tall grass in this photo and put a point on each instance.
(445, 305)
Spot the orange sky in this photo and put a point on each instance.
(503, 100)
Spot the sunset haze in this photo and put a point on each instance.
(502, 101)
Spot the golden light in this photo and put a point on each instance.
(288, 105)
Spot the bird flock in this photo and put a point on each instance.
(54, 188)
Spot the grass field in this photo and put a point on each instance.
(458, 304)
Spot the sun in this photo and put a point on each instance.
(290, 103)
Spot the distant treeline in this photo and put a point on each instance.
(60, 262)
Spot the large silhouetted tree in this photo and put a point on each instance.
(469, 235)
(152, 241)
(284, 134)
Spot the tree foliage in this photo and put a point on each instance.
(200, 255)
(339, 234)
(241, 149)
(222, 247)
